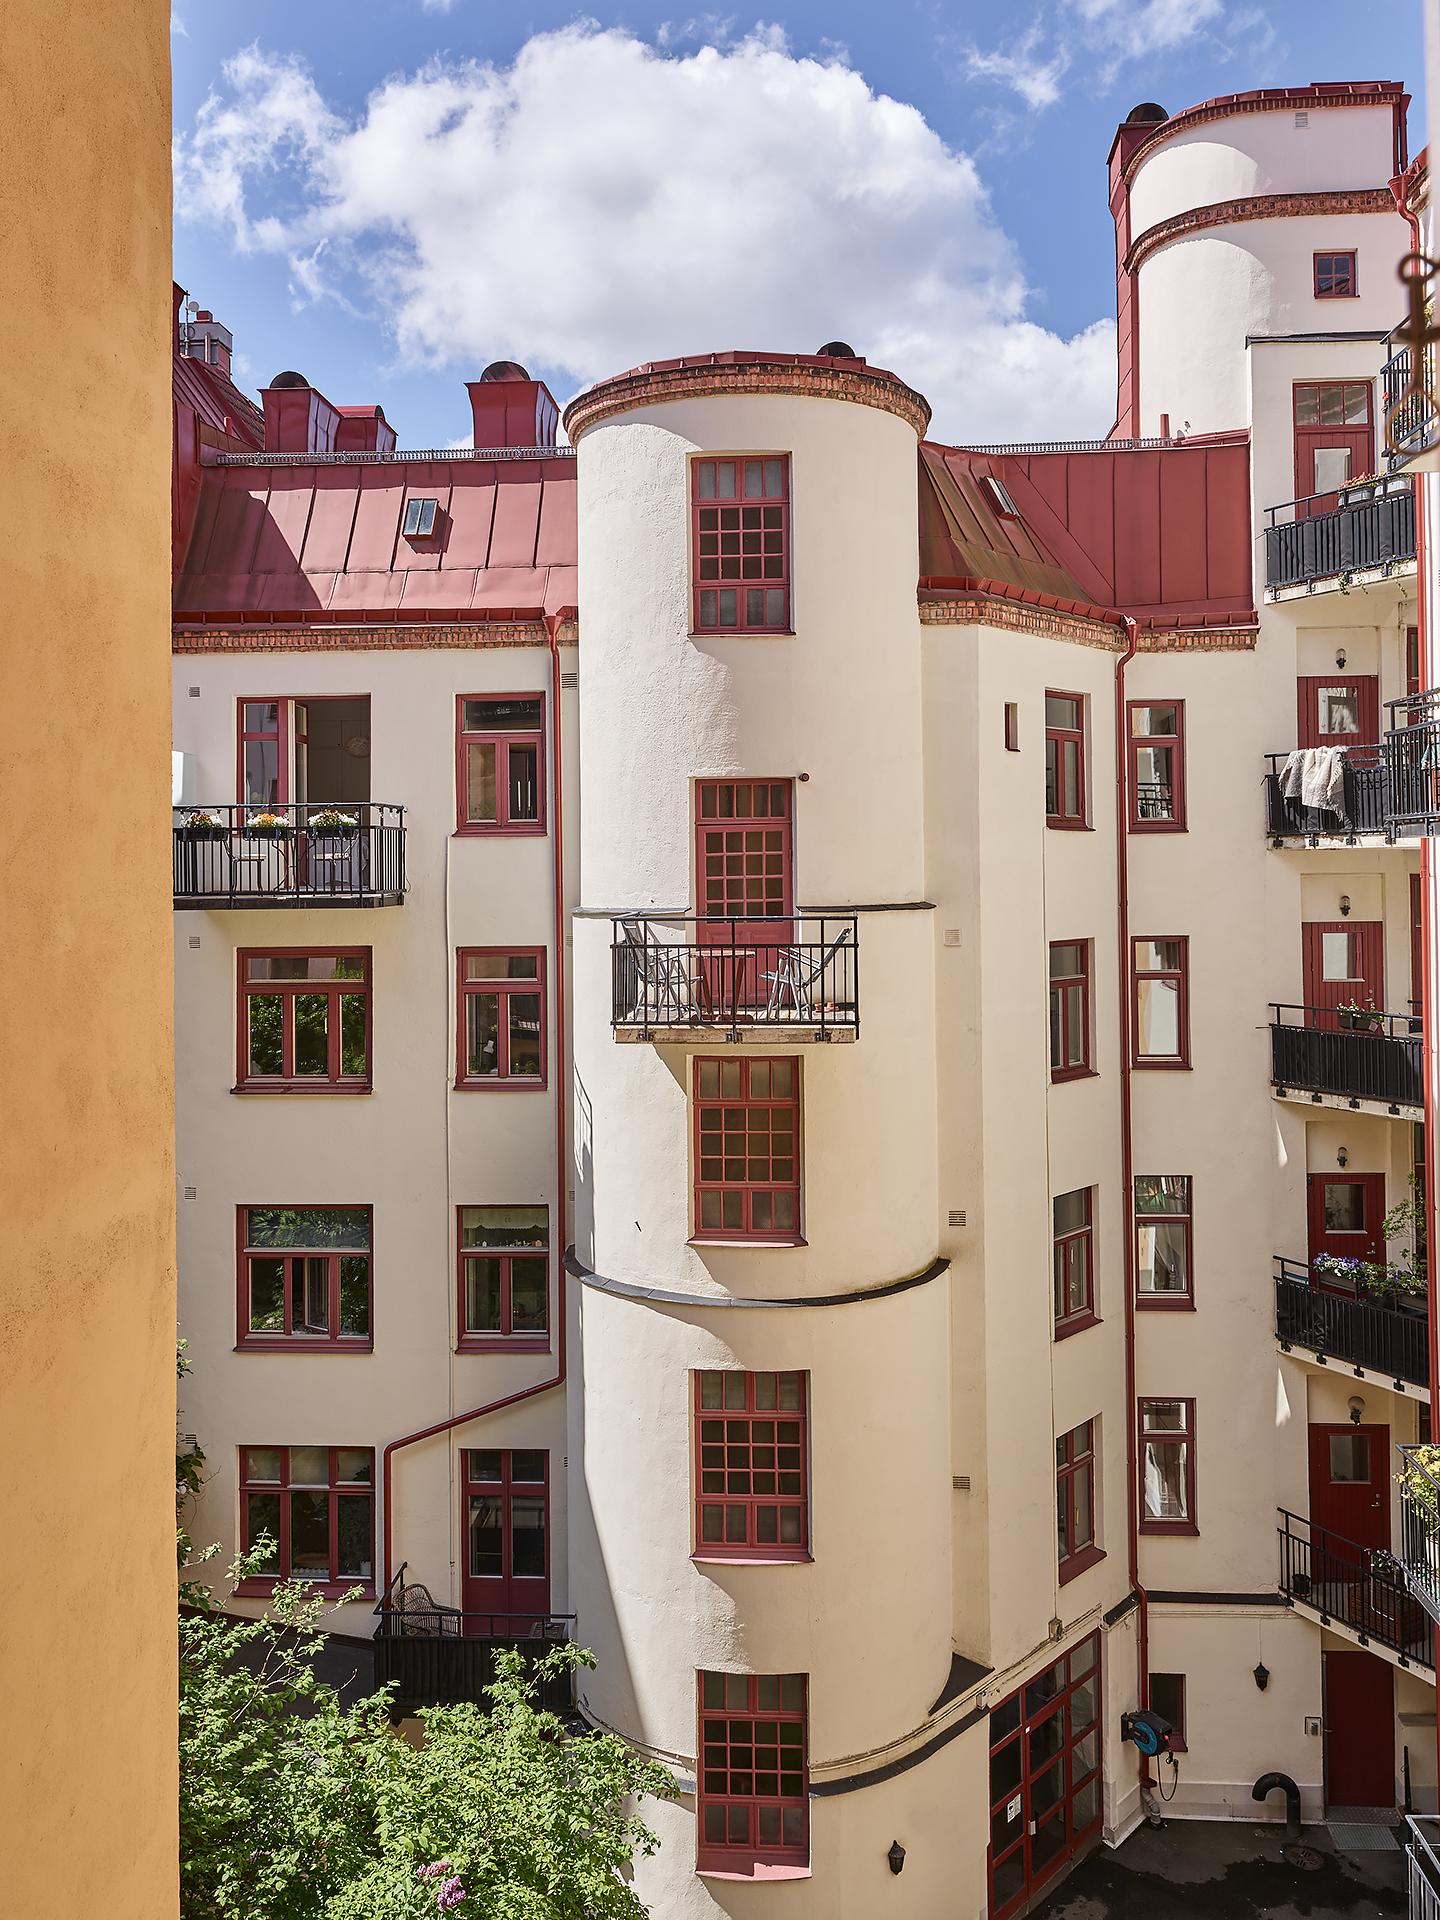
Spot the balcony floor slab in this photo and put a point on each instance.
(1410, 1662)
(1368, 1376)
(1400, 575)
(1347, 1103)
(775, 1034)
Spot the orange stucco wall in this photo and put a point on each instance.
(87, 1319)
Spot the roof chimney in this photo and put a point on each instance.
(510, 409)
(363, 430)
(203, 338)
(298, 417)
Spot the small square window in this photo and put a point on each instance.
(420, 518)
(1335, 276)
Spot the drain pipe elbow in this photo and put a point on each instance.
(1266, 1785)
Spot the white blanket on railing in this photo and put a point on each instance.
(1315, 776)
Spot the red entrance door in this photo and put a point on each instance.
(744, 884)
(1349, 1483)
(1344, 962)
(1334, 441)
(506, 1514)
(1347, 1216)
(1338, 709)
(1359, 1731)
(1045, 1779)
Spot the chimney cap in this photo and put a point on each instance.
(504, 370)
(1148, 114)
(289, 380)
(836, 350)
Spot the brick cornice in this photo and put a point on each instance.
(1197, 640)
(360, 638)
(1018, 616)
(1259, 206)
(1312, 99)
(813, 380)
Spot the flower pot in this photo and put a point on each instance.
(202, 833)
(265, 833)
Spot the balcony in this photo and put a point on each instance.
(1391, 1342)
(1411, 420)
(794, 979)
(1360, 1588)
(1420, 1525)
(1376, 1059)
(1363, 531)
(438, 1656)
(1412, 765)
(1365, 807)
(1422, 1847)
(290, 855)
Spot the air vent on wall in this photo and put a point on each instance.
(1302, 119)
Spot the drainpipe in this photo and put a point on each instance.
(557, 1379)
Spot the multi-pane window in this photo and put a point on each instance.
(1159, 1001)
(316, 1505)
(752, 1800)
(507, 1530)
(502, 1018)
(1074, 1260)
(747, 1149)
(304, 1277)
(742, 849)
(1162, 1240)
(1069, 1008)
(504, 1277)
(1335, 276)
(1167, 1466)
(1333, 404)
(500, 763)
(1075, 1528)
(1045, 1783)
(1064, 760)
(1157, 764)
(742, 544)
(304, 1023)
(750, 1465)
(262, 769)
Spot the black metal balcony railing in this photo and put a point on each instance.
(1362, 1588)
(438, 1656)
(1364, 808)
(1422, 1847)
(227, 856)
(1154, 800)
(1326, 535)
(1412, 757)
(1384, 1339)
(1410, 422)
(802, 973)
(1376, 1059)
(1420, 1528)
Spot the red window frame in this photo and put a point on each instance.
(279, 734)
(1167, 1697)
(298, 1263)
(1181, 1437)
(1012, 726)
(1135, 744)
(1064, 1016)
(334, 1080)
(254, 1483)
(504, 738)
(1334, 281)
(505, 1339)
(1074, 1252)
(1057, 738)
(1179, 976)
(1176, 1215)
(728, 1163)
(504, 987)
(744, 850)
(1076, 1454)
(741, 543)
(1045, 1763)
(743, 1717)
(751, 1465)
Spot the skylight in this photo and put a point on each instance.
(998, 497)
(420, 518)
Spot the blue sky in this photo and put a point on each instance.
(387, 194)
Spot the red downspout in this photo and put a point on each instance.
(1122, 864)
(557, 1379)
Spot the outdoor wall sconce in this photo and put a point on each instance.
(1342, 1156)
(1340, 656)
(1344, 906)
(896, 1856)
(1357, 1409)
(1262, 1676)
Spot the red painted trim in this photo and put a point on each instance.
(504, 989)
(1081, 1665)
(1059, 738)
(715, 506)
(1176, 743)
(750, 1860)
(1076, 1466)
(466, 1341)
(1309, 99)
(1179, 1436)
(502, 738)
(335, 1488)
(518, 1592)
(1178, 1063)
(334, 1082)
(281, 737)
(290, 1341)
(821, 376)
(1084, 1068)
(1083, 1237)
(736, 1445)
(1259, 206)
(744, 1103)
(1186, 1220)
(1351, 289)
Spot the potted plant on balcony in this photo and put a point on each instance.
(266, 824)
(335, 851)
(1361, 1019)
(202, 823)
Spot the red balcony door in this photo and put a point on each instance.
(1359, 1695)
(1334, 440)
(1339, 709)
(744, 882)
(1344, 962)
(505, 1518)
(1350, 1485)
(1347, 1214)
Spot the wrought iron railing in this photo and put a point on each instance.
(1420, 1527)
(802, 973)
(1359, 528)
(1365, 1056)
(1359, 1587)
(287, 855)
(1385, 1339)
(437, 1656)
(1154, 800)
(1364, 803)
(1422, 1847)
(1412, 758)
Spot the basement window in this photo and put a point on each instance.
(420, 519)
(998, 496)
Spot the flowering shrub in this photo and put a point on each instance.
(332, 820)
(265, 821)
(1377, 1279)
(203, 820)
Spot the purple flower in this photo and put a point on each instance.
(450, 1895)
(433, 1871)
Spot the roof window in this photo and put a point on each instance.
(420, 519)
(999, 498)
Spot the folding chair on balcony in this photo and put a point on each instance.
(419, 1614)
(662, 977)
(797, 972)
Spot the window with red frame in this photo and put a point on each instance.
(747, 1149)
(742, 544)
(1045, 1782)
(1335, 276)
(504, 1278)
(317, 1505)
(1069, 1009)
(304, 1021)
(1167, 1697)
(500, 763)
(1167, 1466)
(750, 1497)
(1157, 766)
(743, 849)
(1160, 1002)
(1074, 1261)
(262, 753)
(1064, 760)
(1163, 1265)
(502, 1018)
(752, 1802)
(1075, 1521)
(304, 1279)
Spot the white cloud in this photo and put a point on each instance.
(1094, 39)
(437, 6)
(1035, 77)
(600, 202)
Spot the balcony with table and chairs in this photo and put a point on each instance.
(792, 979)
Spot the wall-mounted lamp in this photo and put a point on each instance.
(896, 1856)
(1339, 656)
(1344, 906)
(1262, 1676)
(1357, 1409)
(1342, 1156)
